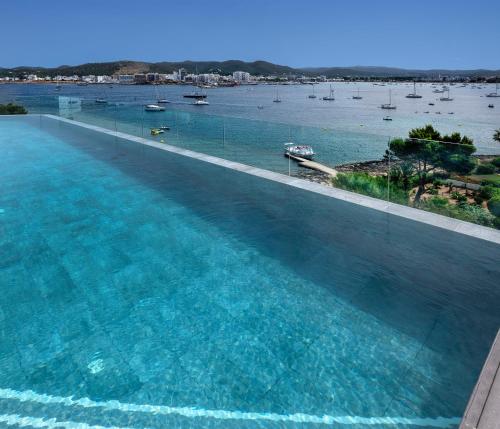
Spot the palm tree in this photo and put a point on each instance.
(496, 136)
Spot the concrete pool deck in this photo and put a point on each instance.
(450, 224)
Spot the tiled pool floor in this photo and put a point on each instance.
(113, 289)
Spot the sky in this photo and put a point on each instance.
(425, 34)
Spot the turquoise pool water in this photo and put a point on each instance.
(144, 289)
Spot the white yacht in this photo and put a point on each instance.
(389, 106)
(313, 95)
(414, 93)
(331, 96)
(447, 98)
(494, 94)
(201, 103)
(301, 151)
(153, 108)
(277, 99)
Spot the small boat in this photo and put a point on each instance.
(414, 93)
(426, 111)
(82, 84)
(313, 95)
(431, 104)
(201, 103)
(277, 99)
(389, 106)
(162, 101)
(153, 108)
(156, 131)
(101, 101)
(164, 128)
(357, 97)
(491, 106)
(260, 107)
(447, 98)
(387, 118)
(451, 113)
(195, 94)
(494, 94)
(438, 113)
(331, 96)
(301, 151)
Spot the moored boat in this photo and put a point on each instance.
(153, 108)
(301, 151)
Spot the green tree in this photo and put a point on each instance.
(427, 150)
(496, 136)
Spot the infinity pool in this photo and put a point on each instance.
(141, 288)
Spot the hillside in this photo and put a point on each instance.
(228, 67)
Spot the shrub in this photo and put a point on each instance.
(458, 196)
(432, 191)
(478, 199)
(496, 162)
(486, 192)
(485, 169)
(467, 212)
(494, 204)
(488, 182)
(12, 109)
(376, 187)
(436, 202)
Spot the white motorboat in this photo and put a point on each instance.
(153, 108)
(201, 103)
(301, 151)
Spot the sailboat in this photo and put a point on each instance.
(313, 95)
(389, 106)
(357, 97)
(277, 98)
(329, 97)
(160, 100)
(414, 93)
(494, 94)
(447, 98)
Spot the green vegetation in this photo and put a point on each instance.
(426, 149)
(494, 204)
(425, 160)
(485, 169)
(373, 186)
(463, 211)
(12, 109)
(496, 136)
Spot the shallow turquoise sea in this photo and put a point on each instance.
(145, 289)
(233, 127)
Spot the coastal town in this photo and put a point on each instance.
(220, 79)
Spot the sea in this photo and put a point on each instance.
(244, 123)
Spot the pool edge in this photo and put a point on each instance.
(416, 215)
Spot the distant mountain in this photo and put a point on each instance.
(126, 67)
(374, 71)
(228, 67)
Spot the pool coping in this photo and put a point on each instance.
(433, 219)
(483, 410)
